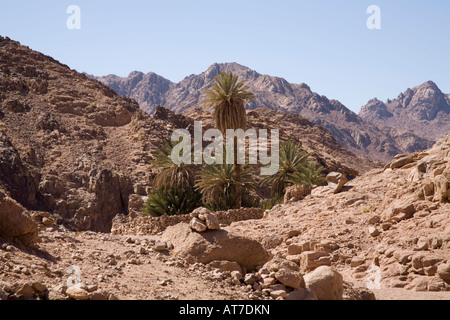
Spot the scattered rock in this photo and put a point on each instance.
(373, 231)
(198, 225)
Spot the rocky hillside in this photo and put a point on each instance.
(423, 110)
(350, 130)
(72, 147)
(313, 138)
(384, 235)
(69, 145)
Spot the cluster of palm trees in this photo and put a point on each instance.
(180, 188)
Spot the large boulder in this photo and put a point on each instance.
(15, 223)
(214, 245)
(325, 283)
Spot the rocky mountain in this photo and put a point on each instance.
(353, 132)
(423, 110)
(75, 156)
(69, 145)
(72, 147)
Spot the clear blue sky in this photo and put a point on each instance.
(324, 43)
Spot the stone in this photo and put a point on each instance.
(336, 181)
(373, 231)
(311, 260)
(356, 261)
(15, 222)
(290, 278)
(399, 212)
(161, 246)
(422, 245)
(237, 275)
(301, 294)
(278, 294)
(295, 249)
(443, 272)
(26, 290)
(296, 193)
(212, 222)
(198, 211)
(140, 250)
(374, 219)
(401, 160)
(48, 221)
(226, 266)
(77, 293)
(267, 282)
(39, 287)
(326, 283)
(278, 263)
(198, 225)
(216, 245)
(250, 279)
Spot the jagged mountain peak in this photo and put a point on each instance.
(423, 110)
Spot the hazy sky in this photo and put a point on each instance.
(324, 43)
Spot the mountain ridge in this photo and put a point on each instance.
(423, 110)
(352, 131)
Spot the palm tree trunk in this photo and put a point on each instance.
(238, 176)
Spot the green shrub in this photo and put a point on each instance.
(171, 202)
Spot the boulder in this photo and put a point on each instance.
(443, 272)
(326, 283)
(310, 260)
(198, 225)
(213, 245)
(15, 222)
(77, 293)
(401, 160)
(398, 212)
(301, 294)
(212, 222)
(336, 181)
(290, 278)
(296, 193)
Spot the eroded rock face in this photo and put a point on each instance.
(214, 245)
(14, 175)
(15, 223)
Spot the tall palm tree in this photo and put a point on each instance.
(227, 95)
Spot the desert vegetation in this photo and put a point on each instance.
(226, 186)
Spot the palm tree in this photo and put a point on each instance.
(219, 186)
(171, 202)
(227, 95)
(174, 191)
(171, 175)
(292, 160)
(309, 175)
